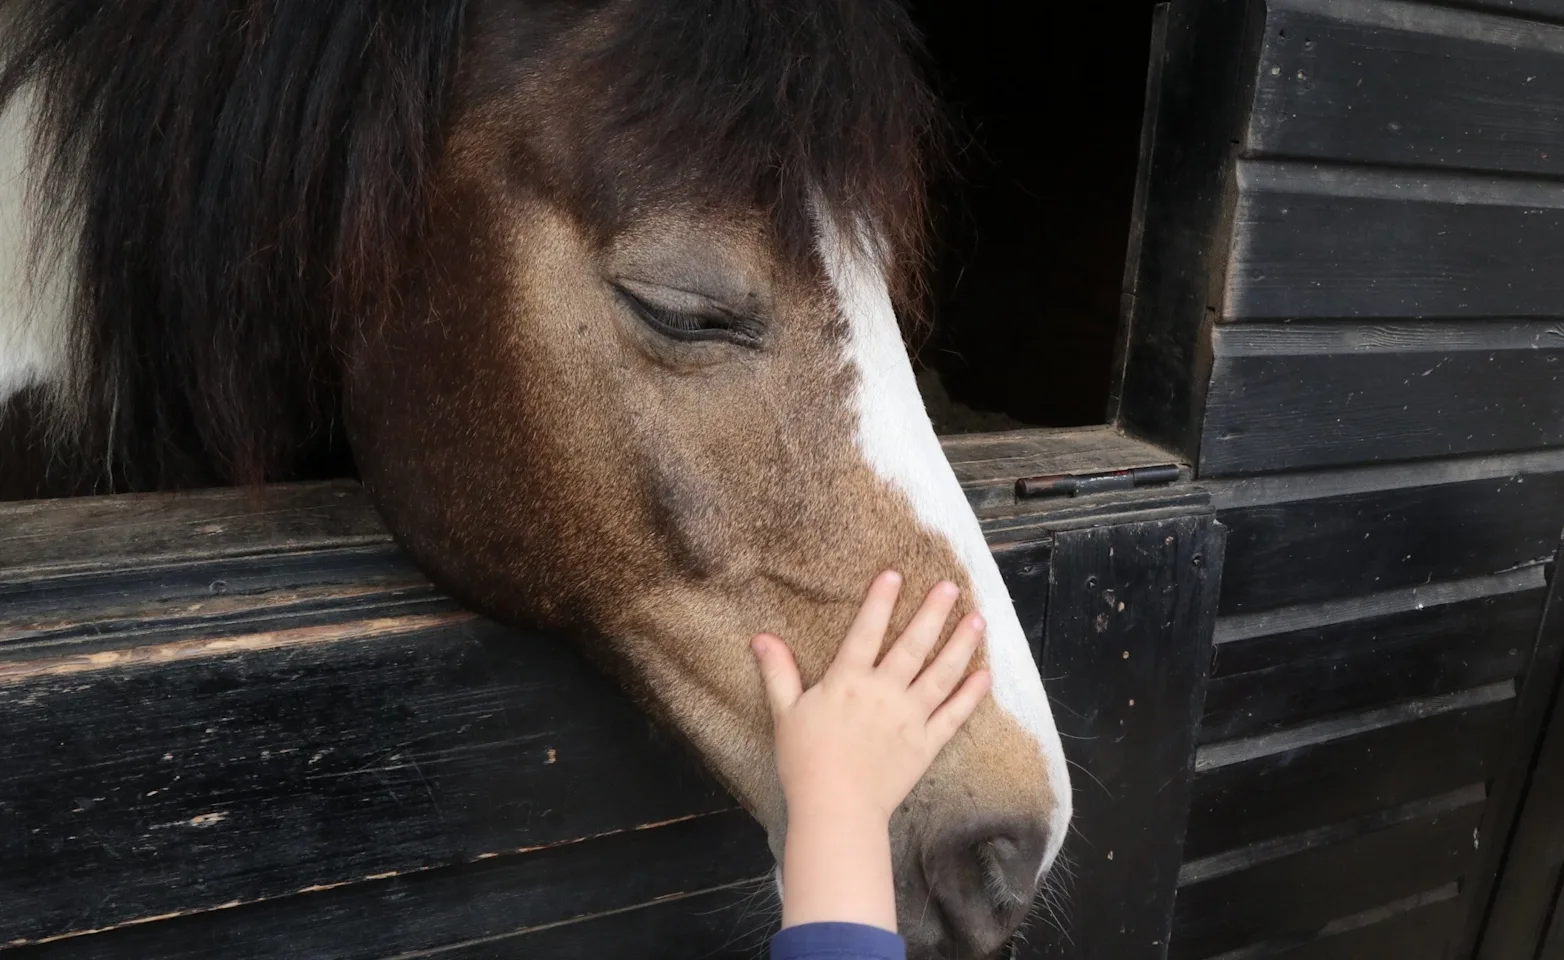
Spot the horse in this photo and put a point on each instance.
(602, 300)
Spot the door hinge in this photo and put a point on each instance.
(1076, 484)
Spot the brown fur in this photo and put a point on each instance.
(445, 272)
(668, 500)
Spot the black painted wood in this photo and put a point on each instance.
(507, 906)
(1206, 75)
(51, 537)
(1260, 684)
(1316, 242)
(1298, 895)
(106, 609)
(1294, 789)
(1410, 930)
(1293, 397)
(1553, 946)
(1542, 11)
(730, 923)
(176, 777)
(1527, 838)
(1130, 613)
(989, 464)
(1412, 85)
(1311, 550)
(1135, 247)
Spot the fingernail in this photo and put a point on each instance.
(948, 589)
(757, 645)
(978, 623)
(891, 576)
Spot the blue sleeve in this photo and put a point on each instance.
(837, 941)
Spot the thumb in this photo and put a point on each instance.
(779, 671)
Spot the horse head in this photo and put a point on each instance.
(606, 296)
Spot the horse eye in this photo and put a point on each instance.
(712, 324)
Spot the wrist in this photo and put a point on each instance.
(837, 866)
(828, 802)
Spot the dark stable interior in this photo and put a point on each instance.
(1046, 100)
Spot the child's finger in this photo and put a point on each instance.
(779, 671)
(940, 677)
(951, 714)
(907, 655)
(862, 645)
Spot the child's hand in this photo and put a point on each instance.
(852, 747)
(856, 743)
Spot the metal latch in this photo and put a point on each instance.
(1073, 485)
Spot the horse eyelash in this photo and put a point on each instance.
(692, 326)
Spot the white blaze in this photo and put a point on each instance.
(34, 307)
(898, 441)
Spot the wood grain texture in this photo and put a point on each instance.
(1290, 397)
(1409, 84)
(279, 745)
(1298, 895)
(50, 537)
(1130, 614)
(1264, 683)
(1312, 550)
(228, 771)
(1317, 784)
(544, 905)
(989, 464)
(1207, 67)
(1320, 242)
(82, 612)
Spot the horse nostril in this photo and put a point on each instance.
(984, 878)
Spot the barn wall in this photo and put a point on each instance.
(1368, 304)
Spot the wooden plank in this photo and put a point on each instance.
(1308, 616)
(1411, 85)
(1230, 862)
(506, 904)
(1272, 489)
(181, 776)
(253, 594)
(1135, 246)
(1543, 11)
(1298, 895)
(1350, 776)
(51, 537)
(1531, 871)
(1130, 613)
(730, 923)
(1413, 928)
(1201, 108)
(1292, 553)
(989, 464)
(1263, 683)
(1317, 242)
(1305, 396)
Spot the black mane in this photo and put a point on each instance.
(250, 173)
